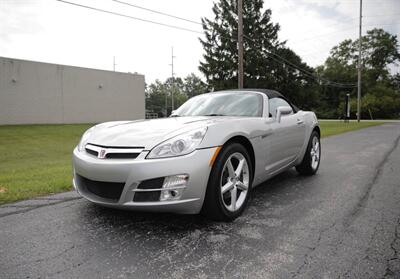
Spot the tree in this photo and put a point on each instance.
(267, 62)
(380, 89)
(181, 89)
(193, 85)
(220, 45)
(380, 50)
(297, 85)
(155, 97)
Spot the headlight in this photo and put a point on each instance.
(180, 145)
(84, 139)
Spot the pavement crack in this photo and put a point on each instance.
(367, 253)
(395, 257)
(29, 208)
(312, 249)
(223, 270)
(364, 198)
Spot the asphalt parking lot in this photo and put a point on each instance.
(342, 223)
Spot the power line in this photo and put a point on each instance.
(327, 34)
(381, 24)
(308, 73)
(388, 15)
(347, 29)
(311, 30)
(369, 3)
(157, 12)
(288, 63)
(344, 22)
(199, 23)
(131, 17)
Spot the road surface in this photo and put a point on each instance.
(342, 223)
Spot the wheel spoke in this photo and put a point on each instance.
(239, 168)
(227, 187)
(233, 198)
(231, 170)
(241, 186)
(316, 147)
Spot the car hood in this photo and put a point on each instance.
(145, 133)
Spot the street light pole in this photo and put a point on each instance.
(172, 85)
(172, 76)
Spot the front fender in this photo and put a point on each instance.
(219, 133)
(311, 121)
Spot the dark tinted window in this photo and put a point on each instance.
(276, 102)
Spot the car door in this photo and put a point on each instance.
(286, 138)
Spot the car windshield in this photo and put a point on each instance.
(222, 104)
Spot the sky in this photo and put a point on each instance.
(56, 32)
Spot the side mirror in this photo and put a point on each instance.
(172, 113)
(280, 111)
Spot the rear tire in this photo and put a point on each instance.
(229, 184)
(312, 157)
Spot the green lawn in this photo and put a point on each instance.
(35, 160)
(330, 128)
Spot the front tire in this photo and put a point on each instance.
(312, 157)
(229, 185)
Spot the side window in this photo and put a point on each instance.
(274, 103)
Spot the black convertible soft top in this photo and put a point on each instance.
(270, 93)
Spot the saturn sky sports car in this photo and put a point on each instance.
(206, 157)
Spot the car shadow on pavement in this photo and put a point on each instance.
(156, 240)
(262, 197)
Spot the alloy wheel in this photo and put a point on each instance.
(235, 181)
(315, 153)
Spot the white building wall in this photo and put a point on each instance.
(42, 93)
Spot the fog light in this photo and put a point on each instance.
(174, 186)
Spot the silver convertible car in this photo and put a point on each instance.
(205, 158)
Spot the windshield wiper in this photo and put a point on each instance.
(214, 114)
(174, 115)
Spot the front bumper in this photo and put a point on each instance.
(132, 171)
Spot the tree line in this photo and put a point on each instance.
(269, 63)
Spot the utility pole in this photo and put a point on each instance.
(114, 64)
(359, 69)
(166, 104)
(172, 76)
(240, 43)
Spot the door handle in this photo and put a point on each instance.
(299, 121)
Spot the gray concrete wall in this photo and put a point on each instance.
(37, 93)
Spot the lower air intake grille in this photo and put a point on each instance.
(146, 196)
(155, 183)
(107, 190)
